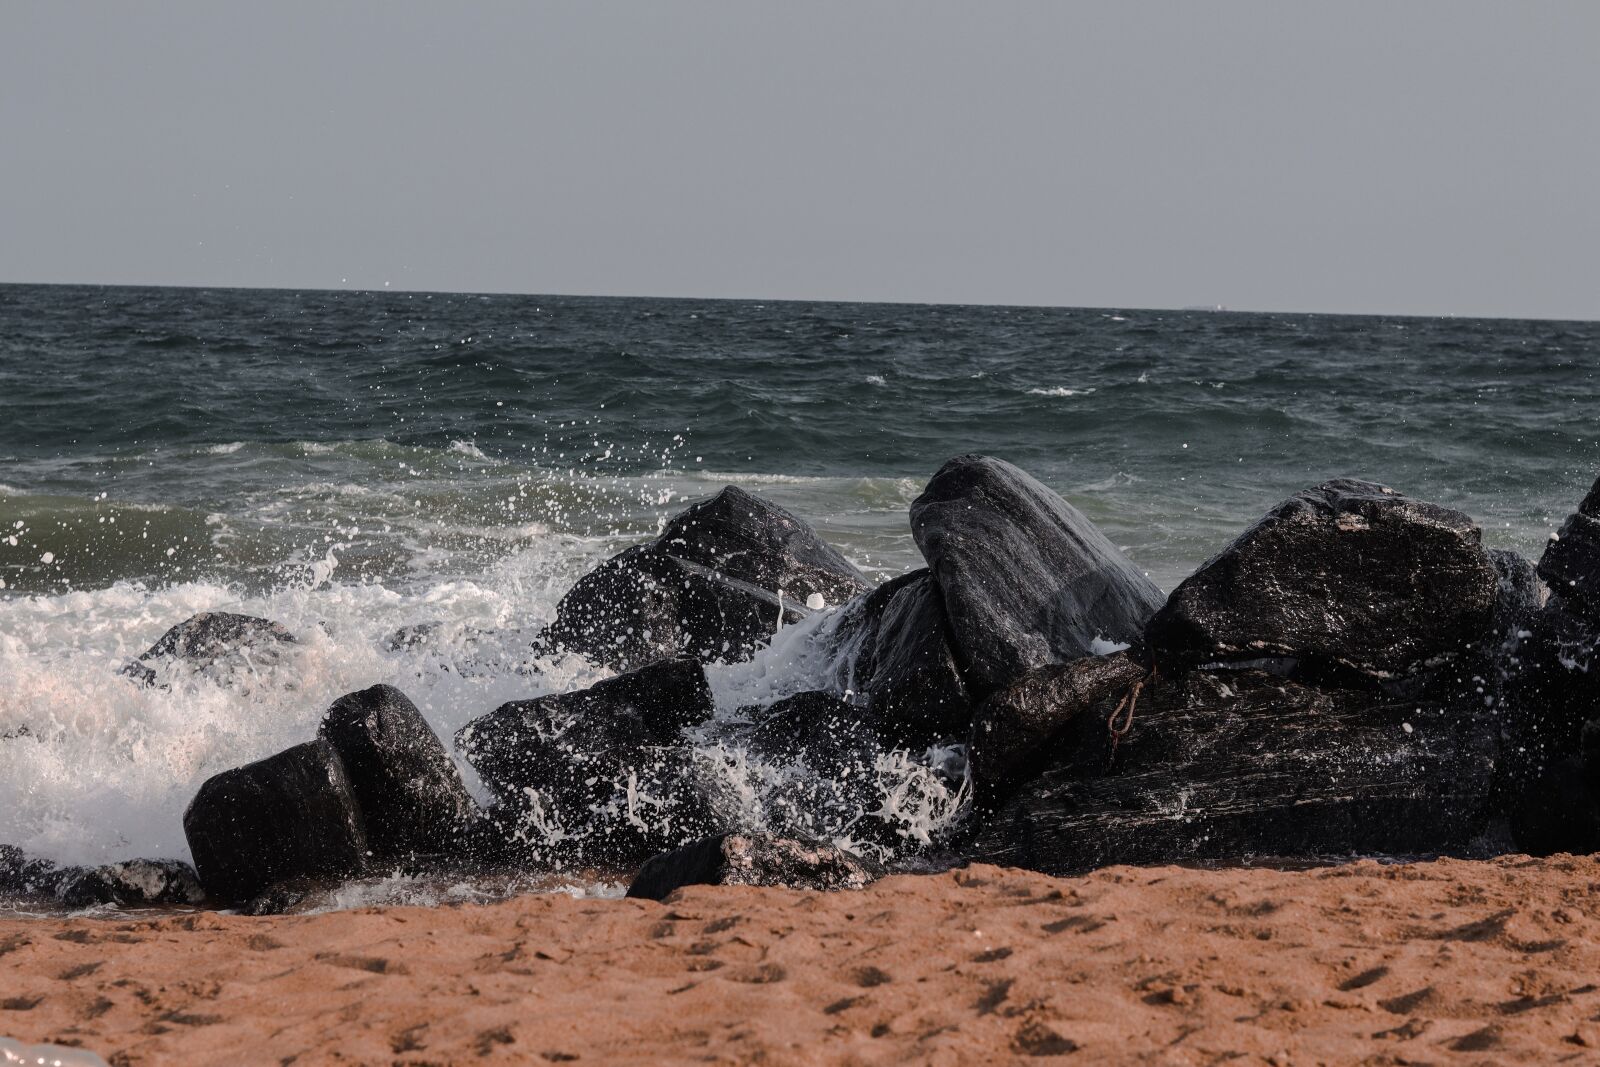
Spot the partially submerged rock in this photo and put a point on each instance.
(131, 883)
(1026, 580)
(721, 578)
(1348, 576)
(755, 860)
(212, 639)
(409, 790)
(1012, 731)
(290, 815)
(1233, 764)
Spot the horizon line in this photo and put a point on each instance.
(1196, 309)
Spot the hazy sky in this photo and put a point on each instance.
(1398, 156)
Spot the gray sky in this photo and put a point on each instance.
(1422, 157)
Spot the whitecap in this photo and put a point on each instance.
(1062, 390)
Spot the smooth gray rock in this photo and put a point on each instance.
(1026, 579)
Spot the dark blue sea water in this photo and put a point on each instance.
(349, 462)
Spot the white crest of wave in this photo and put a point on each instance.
(1062, 390)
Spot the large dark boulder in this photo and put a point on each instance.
(1012, 731)
(1234, 764)
(754, 860)
(1349, 577)
(714, 585)
(409, 790)
(603, 775)
(287, 816)
(1025, 579)
(212, 640)
(894, 644)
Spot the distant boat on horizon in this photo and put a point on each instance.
(1204, 307)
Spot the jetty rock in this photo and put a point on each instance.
(604, 772)
(211, 640)
(288, 816)
(894, 647)
(753, 859)
(409, 790)
(720, 579)
(1229, 764)
(1571, 561)
(1024, 578)
(1553, 696)
(1348, 577)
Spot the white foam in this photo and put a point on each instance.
(1061, 390)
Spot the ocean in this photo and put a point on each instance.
(349, 463)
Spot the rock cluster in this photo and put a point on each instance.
(1355, 674)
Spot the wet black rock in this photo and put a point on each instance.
(1571, 561)
(290, 815)
(1233, 764)
(212, 639)
(406, 784)
(22, 875)
(1349, 577)
(528, 742)
(602, 775)
(1012, 731)
(823, 728)
(896, 646)
(1556, 808)
(753, 860)
(1026, 580)
(131, 883)
(714, 586)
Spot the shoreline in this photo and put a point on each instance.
(1448, 960)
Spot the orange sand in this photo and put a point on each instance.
(1447, 962)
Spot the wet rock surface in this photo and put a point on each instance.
(212, 639)
(1348, 576)
(409, 790)
(1025, 579)
(714, 586)
(290, 815)
(754, 860)
(1011, 735)
(1232, 764)
(599, 775)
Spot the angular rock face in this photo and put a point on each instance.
(289, 815)
(603, 773)
(1571, 561)
(1349, 576)
(1012, 731)
(707, 587)
(409, 790)
(899, 660)
(754, 860)
(1229, 764)
(210, 638)
(1026, 580)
